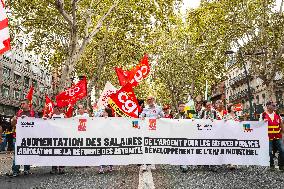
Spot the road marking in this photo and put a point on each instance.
(146, 179)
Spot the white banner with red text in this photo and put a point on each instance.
(122, 141)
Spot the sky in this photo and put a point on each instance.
(189, 4)
(195, 3)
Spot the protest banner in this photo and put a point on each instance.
(122, 141)
(108, 90)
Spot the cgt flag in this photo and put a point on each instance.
(73, 94)
(123, 76)
(124, 102)
(4, 30)
(136, 75)
(48, 107)
(140, 72)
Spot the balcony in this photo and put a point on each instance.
(231, 63)
(240, 95)
(238, 80)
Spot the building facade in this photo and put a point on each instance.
(237, 90)
(18, 72)
(218, 92)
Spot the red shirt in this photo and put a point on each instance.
(221, 115)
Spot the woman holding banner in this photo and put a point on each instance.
(57, 114)
(106, 113)
(231, 115)
(182, 115)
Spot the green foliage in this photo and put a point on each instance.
(188, 50)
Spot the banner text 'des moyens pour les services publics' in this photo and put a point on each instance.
(122, 141)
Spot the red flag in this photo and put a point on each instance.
(140, 72)
(4, 30)
(48, 107)
(69, 112)
(124, 102)
(30, 96)
(73, 94)
(123, 76)
(136, 75)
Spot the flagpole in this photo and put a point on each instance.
(206, 91)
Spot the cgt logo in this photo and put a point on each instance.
(72, 91)
(140, 74)
(82, 125)
(128, 105)
(152, 124)
(247, 128)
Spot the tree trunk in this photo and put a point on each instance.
(270, 92)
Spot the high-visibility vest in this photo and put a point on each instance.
(274, 128)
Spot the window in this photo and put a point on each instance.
(41, 102)
(263, 96)
(27, 66)
(35, 101)
(18, 62)
(34, 82)
(6, 72)
(17, 94)
(5, 90)
(279, 97)
(42, 74)
(28, 63)
(41, 88)
(17, 78)
(6, 58)
(26, 81)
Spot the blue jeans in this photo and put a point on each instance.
(4, 143)
(276, 145)
(16, 168)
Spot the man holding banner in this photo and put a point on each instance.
(182, 115)
(25, 111)
(275, 126)
(151, 111)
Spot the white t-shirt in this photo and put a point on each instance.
(84, 115)
(58, 116)
(152, 112)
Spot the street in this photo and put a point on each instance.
(164, 176)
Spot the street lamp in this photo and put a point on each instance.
(247, 81)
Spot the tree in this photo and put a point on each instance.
(255, 29)
(87, 36)
(68, 28)
(190, 52)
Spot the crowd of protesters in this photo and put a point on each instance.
(149, 109)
